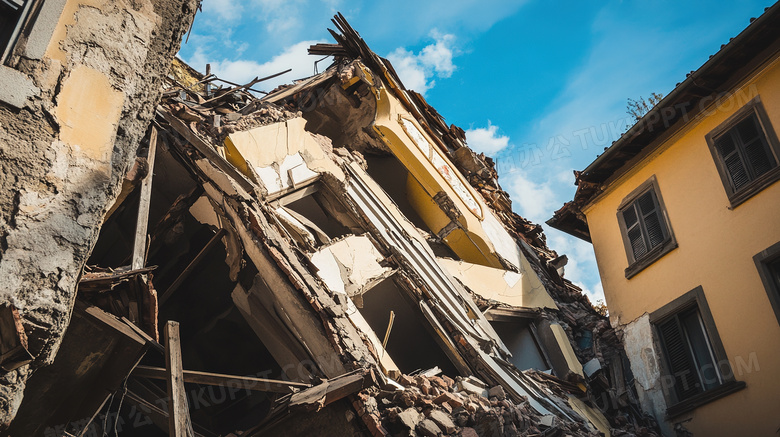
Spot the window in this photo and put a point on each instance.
(645, 227)
(13, 14)
(745, 151)
(19, 37)
(768, 264)
(693, 360)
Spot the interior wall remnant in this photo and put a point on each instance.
(526, 352)
(63, 155)
(520, 289)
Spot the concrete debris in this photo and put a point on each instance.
(410, 410)
(316, 248)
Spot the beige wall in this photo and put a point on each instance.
(716, 249)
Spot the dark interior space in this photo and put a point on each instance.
(391, 175)
(411, 344)
(311, 208)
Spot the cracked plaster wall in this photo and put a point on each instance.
(64, 152)
(640, 349)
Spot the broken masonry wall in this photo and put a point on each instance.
(640, 348)
(65, 146)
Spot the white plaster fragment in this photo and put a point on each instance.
(511, 278)
(294, 165)
(357, 262)
(504, 243)
(329, 270)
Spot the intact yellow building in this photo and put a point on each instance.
(684, 215)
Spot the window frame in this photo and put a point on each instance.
(31, 42)
(754, 107)
(693, 299)
(30, 10)
(772, 287)
(528, 320)
(636, 265)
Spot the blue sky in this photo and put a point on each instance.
(540, 86)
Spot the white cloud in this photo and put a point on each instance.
(418, 71)
(410, 71)
(438, 56)
(533, 200)
(565, 177)
(227, 10)
(486, 140)
(242, 71)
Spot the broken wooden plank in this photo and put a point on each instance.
(247, 86)
(389, 328)
(142, 223)
(177, 406)
(97, 354)
(218, 379)
(13, 340)
(192, 265)
(332, 390)
(515, 314)
(104, 281)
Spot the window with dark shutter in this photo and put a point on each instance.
(692, 358)
(644, 224)
(688, 354)
(646, 233)
(745, 151)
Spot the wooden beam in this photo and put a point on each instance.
(13, 339)
(206, 149)
(193, 264)
(177, 399)
(142, 222)
(512, 314)
(230, 381)
(332, 390)
(153, 412)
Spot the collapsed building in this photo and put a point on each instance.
(328, 259)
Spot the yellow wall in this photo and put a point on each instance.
(715, 249)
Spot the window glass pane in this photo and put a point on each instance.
(646, 203)
(748, 129)
(725, 145)
(629, 216)
(701, 348)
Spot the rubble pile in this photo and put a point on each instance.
(436, 405)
